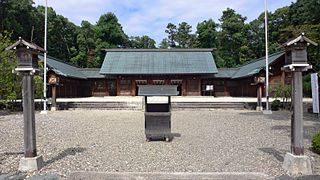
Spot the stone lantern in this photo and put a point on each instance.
(296, 62)
(27, 54)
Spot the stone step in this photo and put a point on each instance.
(209, 105)
(100, 105)
(138, 105)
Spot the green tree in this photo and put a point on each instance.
(180, 37)
(207, 34)
(10, 83)
(164, 44)
(172, 34)
(17, 17)
(109, 34)
(184, 38)
(147, 42)
(305, 12)
(144, 42)
(231, 37)
(84, 54)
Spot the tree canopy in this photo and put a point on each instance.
(235, 41)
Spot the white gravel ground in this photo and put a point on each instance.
(112, 141)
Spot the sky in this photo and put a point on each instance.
(150, 17)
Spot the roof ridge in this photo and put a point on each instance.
(259, 59)
(59, 60)
(67, 63)
(161, 50)
(229, 68)
(85, 69)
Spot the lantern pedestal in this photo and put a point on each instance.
(297, 165)
(31, 164)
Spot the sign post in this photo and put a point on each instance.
(27, 54)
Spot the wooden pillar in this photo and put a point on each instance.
(53, 91)
(59, 94)
(133, 87)
(225, 87)
(76, 88)
(92, 87)
(241, 90)
(107, 90)
(283, 78)
(167, 82)
(199, 85)
(259, 98)
(247, 86)
(28, 116)
(184, 87)
(118, 86)
(297, 147)
(65, 89)
(71, 88)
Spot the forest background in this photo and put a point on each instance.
(235, 41)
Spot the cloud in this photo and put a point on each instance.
(150, 17)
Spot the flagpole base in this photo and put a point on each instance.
(44, 112)
(267, 112)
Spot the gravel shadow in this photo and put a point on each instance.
(309, 177)
(308, 131)
(3, 156)
(279, 116)
(67, 152)
(172, 136)
(273, 152)
(12, 153)
(284, 115)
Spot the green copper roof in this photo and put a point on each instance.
(253, 67)
(63, 68)
(92, 73)
(159, 61)
(225, 72)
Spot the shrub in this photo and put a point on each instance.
(281, 91)
(316, 142)
(275, 105)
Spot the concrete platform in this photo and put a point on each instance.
(166, 176)
(174, 99)
(178, 102)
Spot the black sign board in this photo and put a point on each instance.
(158, 90)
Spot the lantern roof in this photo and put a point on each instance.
(300, 38)
(26, 43)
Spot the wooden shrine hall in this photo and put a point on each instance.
(193, 70)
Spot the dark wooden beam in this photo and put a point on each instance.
(133, 87)
(118, 86)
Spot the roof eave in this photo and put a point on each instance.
(160, 50)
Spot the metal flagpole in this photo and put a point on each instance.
(266, 111)
(45, 63)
